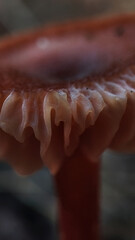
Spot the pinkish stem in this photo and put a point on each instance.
(77, 184)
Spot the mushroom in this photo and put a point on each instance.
(67, 93)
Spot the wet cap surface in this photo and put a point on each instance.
(79, 50)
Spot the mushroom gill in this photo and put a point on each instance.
(67, 92)
(72, 84)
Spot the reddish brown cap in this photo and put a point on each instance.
(66, 87)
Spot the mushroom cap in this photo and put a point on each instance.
(67, 87)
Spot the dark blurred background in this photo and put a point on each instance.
(28, 208)
(17, 15)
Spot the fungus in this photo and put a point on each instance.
(67, 92)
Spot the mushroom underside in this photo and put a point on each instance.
(67, 87)
(44, 127)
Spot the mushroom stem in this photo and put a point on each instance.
(77, 185)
